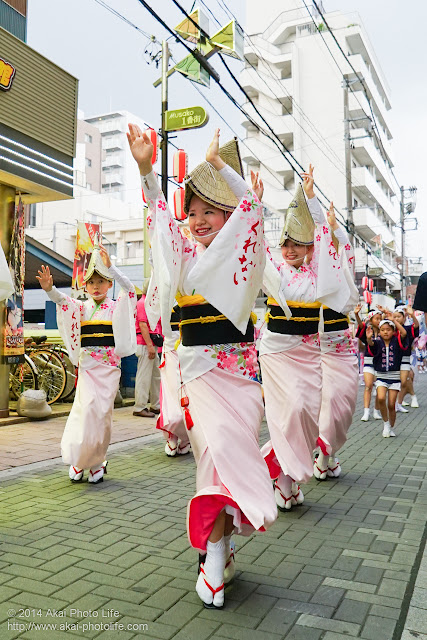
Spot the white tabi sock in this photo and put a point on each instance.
(213, 573)
(285, 484)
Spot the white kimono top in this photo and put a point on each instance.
(342, 341)
(71, 313)
(325, 279)
(228, 274)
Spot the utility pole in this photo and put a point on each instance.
(164, 143)
(347, 149)
(402, 229)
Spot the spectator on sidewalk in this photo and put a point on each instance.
(147, 381)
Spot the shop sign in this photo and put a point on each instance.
(7, 73)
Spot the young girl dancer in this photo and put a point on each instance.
(216, 280)
(373, 319)
(97, 334)
(387, 351)
(289, 349)
(339, 362)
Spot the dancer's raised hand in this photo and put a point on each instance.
(45, 278)
(257, 185)
(308, 182)
(212, 154)
(141, 148)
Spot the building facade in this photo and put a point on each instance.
(298, 87)
(120, 175)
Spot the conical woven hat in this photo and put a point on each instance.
(207, 183)
(96, 264)
(299, 225)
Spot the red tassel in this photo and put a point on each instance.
(185, 401)
(188, 419)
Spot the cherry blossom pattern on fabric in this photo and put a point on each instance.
(239, 358)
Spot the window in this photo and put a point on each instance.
(88, 138)
(32, 216)
(88, 162)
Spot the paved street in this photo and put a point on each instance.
(348, 563)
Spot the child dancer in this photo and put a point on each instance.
(290, 349)
(373, 319)
(216, 280)
(97, 334)
(406, 317)
(387, 351)
(339, 362)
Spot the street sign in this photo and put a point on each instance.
(375, 271)
(187, 118)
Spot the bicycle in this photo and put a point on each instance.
(22, 376)
(51, 372)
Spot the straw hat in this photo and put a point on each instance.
(207, 183)
(96, 264)
(299, 225)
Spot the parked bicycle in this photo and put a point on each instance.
(46, 366)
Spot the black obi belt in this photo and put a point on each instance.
(203, 324)
(334, 321)
(175, 318)
(97, 334)
(304, 320)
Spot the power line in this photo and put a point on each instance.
(122, 17)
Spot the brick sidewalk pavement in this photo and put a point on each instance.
(343, 565)
(37, 440)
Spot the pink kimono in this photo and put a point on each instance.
(219, 380)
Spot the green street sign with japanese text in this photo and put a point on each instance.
(188, 118)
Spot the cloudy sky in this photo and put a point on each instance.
(108, 56)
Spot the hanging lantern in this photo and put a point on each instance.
(367, 296)
(180, 165)
(178, 201)
(365, 281)
(371, 284)
(153, 137)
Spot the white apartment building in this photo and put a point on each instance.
(298, 87)
(119, 174)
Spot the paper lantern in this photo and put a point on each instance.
(371, 285)
(180, 165)
(367, 296)
(178, 201)
(153, 137)
(365, 281)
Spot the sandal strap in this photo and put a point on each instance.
(172, 448)
(77, 470)
(214, 591)
(276, 486)
(319, 469)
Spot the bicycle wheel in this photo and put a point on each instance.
(71, 372)
(22, 376)
(51, 373)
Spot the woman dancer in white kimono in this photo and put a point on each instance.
(97, 334)
(290, 348)
(339, 362)
(216, 280)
